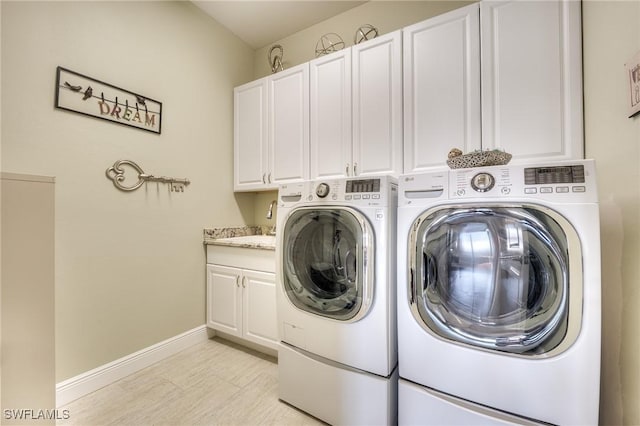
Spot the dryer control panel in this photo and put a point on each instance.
(562, 181)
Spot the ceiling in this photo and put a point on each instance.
(260, 23)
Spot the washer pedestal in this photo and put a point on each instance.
(335, 393)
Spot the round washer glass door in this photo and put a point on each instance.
(325, 266)
(496, 278)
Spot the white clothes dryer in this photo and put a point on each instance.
(337, 299)
(499, 295)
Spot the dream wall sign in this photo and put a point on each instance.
(85, 95)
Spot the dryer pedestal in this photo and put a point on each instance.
(418, 405)
(335, 393)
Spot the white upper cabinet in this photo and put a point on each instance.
(356, 110)
(250, 135)
(377, 105)
(509, 78)
(532, 78)
(492, 75)
(271, 130)
(441, 88)
(289, 126)
(330, 115)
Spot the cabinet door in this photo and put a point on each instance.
(224, 299)
(377, 105)
(250, 136)
(330, 115)
(532, 78)
(259, 318)
(441, 88)
(289, 126)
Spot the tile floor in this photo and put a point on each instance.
(212, 383)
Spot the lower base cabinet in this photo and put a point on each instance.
(242, 303)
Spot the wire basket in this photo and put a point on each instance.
(479, 159)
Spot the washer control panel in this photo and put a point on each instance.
(370, 191)
(362, 185)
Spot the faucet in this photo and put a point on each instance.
(270, 211)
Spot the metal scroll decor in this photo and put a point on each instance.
(364, 33)
(329, 43)
(116, 174)
(85, 95)
(275, 55)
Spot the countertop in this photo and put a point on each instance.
(246, 237)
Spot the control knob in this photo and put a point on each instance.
(322, 190)
(483, 182)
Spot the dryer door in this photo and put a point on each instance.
(328, 262)
(497, 278)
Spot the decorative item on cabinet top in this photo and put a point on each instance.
(275, 55)
(329, 43)
(493, 157)
(84, 95)
(116, 174)
(364, 33)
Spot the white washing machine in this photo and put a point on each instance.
(499, 295)
(336, 295)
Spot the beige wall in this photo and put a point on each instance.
(611, 37)
(28, 331)
(129, 266)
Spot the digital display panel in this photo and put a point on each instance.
(363, 185)
(553, 175)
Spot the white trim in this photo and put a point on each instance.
(92, 380)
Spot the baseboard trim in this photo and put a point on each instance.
(92, 380)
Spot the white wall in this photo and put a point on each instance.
(129, 266)
(611, 36)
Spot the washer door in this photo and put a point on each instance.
(497, 278)
(326, 266)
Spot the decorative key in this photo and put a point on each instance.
(116, 174)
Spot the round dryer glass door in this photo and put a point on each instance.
(494, 277)
(325, 270)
